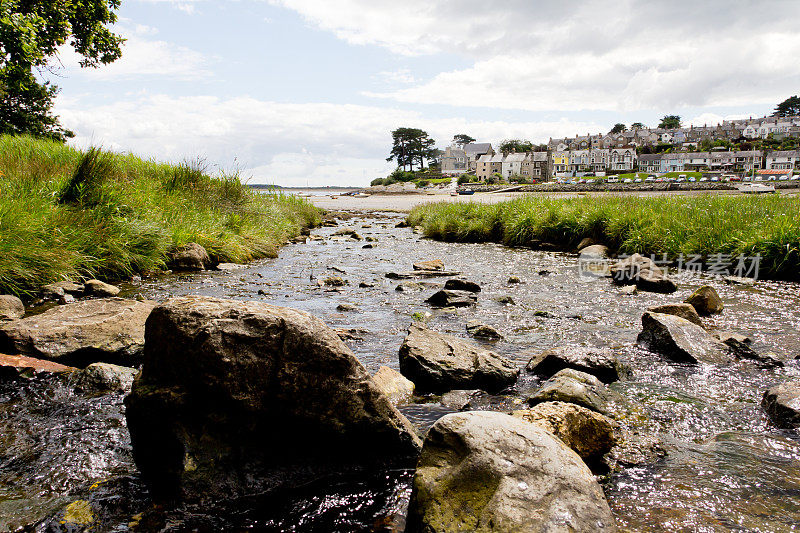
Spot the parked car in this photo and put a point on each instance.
(612, 180)
(627, 180)
(650, 179)
(783, 177)
(714, 178)
(795, 178)
(692, 179)
(703, 179)
(637, 180)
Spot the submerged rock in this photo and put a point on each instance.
(782, 404)
(642, 272)
(599, 362)
(743, 351)
(446, 298)
(476, 328)
(706, 301)
(686, 311)
(484, 471)
(190, 257)
(460, 400)
(109, 330)
(11, 307)
(95, 287)
(408, 286)
(393, 384)
(573, 386)
(237, 398)
(436, 362)
(458, 284)
(513, 280)
(680, 340)
(587, 432)
(99, 378)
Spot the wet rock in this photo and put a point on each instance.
(634, 448)
(585, 242)
(95, 287)
(367, 246)
(17, 366)
(436, 362)
(230, 267)
(484, 471)
(544, 314)
(435, 264)
(445, 298)
(345, 307)
(300, 239)
(190, 257)
(401, 224)
(686, 311)
(595, 251)
(723, 336)
(66, 299)
(642, 272)
(782, 404)
(54, 291)
(743, 351)
(100, 378)
(334, 281)
(110, 330)
(680, 340)
(706, 301)
(738, 280)
(337, 269)
(507, 300)
(351, 334)
(476, 328)
(462, 285)
(238, 398)
(347, 232)
(587, 432)
(544, 272)
(393, 384)
(409, 286)
(573, 386)
(513, 280)
(11, 307)
(371, 239)
(599, 362)
(460, 400)
(629, 290)
(366, 285)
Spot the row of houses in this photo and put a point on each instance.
(484, 162)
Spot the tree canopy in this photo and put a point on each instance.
(788, 108)
(516, 145)
(619, 127)
(31, 32)
(411, 146)
(462, 138)
(670, 122)
(637, 126)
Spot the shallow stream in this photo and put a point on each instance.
(726, 467)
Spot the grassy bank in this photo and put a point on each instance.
(704, 225)
(65, 214)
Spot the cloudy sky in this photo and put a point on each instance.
(306, 92)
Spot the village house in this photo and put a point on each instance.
(783, 160)
(489, 165)
(474, 151)
(512, 165)
(535, 166)
(454, 161)
(622, 159)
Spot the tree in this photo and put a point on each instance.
(618, 128)
(670, 122)
(788, 108)
(461, 139)
(516, 145)
(410, 146)
(31, 33)
(637, 126)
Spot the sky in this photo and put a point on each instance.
(307, 92)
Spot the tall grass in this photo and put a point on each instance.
(698, 225)
(66, 214)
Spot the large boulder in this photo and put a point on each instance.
(680, 340)
(642, 272)
(782, 404)
(573, 386)
(109, 330)
(599, 362)
(239, 398)
(706, 301)
(485, 471)
(102, 378)
(684, 310)
(190, 257)
(437, 363)
(587, 432)
(448, 298)
(11, 307)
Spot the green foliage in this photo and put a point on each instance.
(670, 122)
(462, 138)
(411, 146)
(516, 145)
(787, 108)
(637, 126)
(31, 33)
(688, 225)
(467, 178)
(618, 128)
(66, 214)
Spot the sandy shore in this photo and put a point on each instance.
(406, 202)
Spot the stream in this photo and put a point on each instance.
(726, 468)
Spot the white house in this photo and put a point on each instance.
(782, 160)
(512, 165)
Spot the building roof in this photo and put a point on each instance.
(514, 158)
(477, 148)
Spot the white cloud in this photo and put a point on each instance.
(320, 143)
(551, 55)
(400, 76)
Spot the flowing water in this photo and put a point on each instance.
(726, 467)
